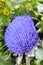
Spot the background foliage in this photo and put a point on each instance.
(9, 9)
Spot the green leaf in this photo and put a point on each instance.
(18, 1)
(42, 18)
(20, 11)
(41, 62)
(37, 62)
(9, 62)
(9, 5)
(1, 36)
(2, 62)
(1, 30)
(32, 63)
(40, 26)
(1, 54)
(0, 44)
(40, 0)
(6, 56)
(5, 20)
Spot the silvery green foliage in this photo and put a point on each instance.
(18, 1)
(40, 8)
(39, 54)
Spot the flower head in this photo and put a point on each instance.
(6, 12)
(1, 5)
(2, 0)
(21, 35)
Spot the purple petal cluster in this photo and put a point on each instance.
(21, 35)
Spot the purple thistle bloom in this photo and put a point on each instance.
(21, 35)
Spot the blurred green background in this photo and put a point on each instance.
(9, 9)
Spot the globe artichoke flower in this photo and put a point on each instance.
(21, 36)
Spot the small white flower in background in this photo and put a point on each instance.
(40, 8)
(18, 1)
